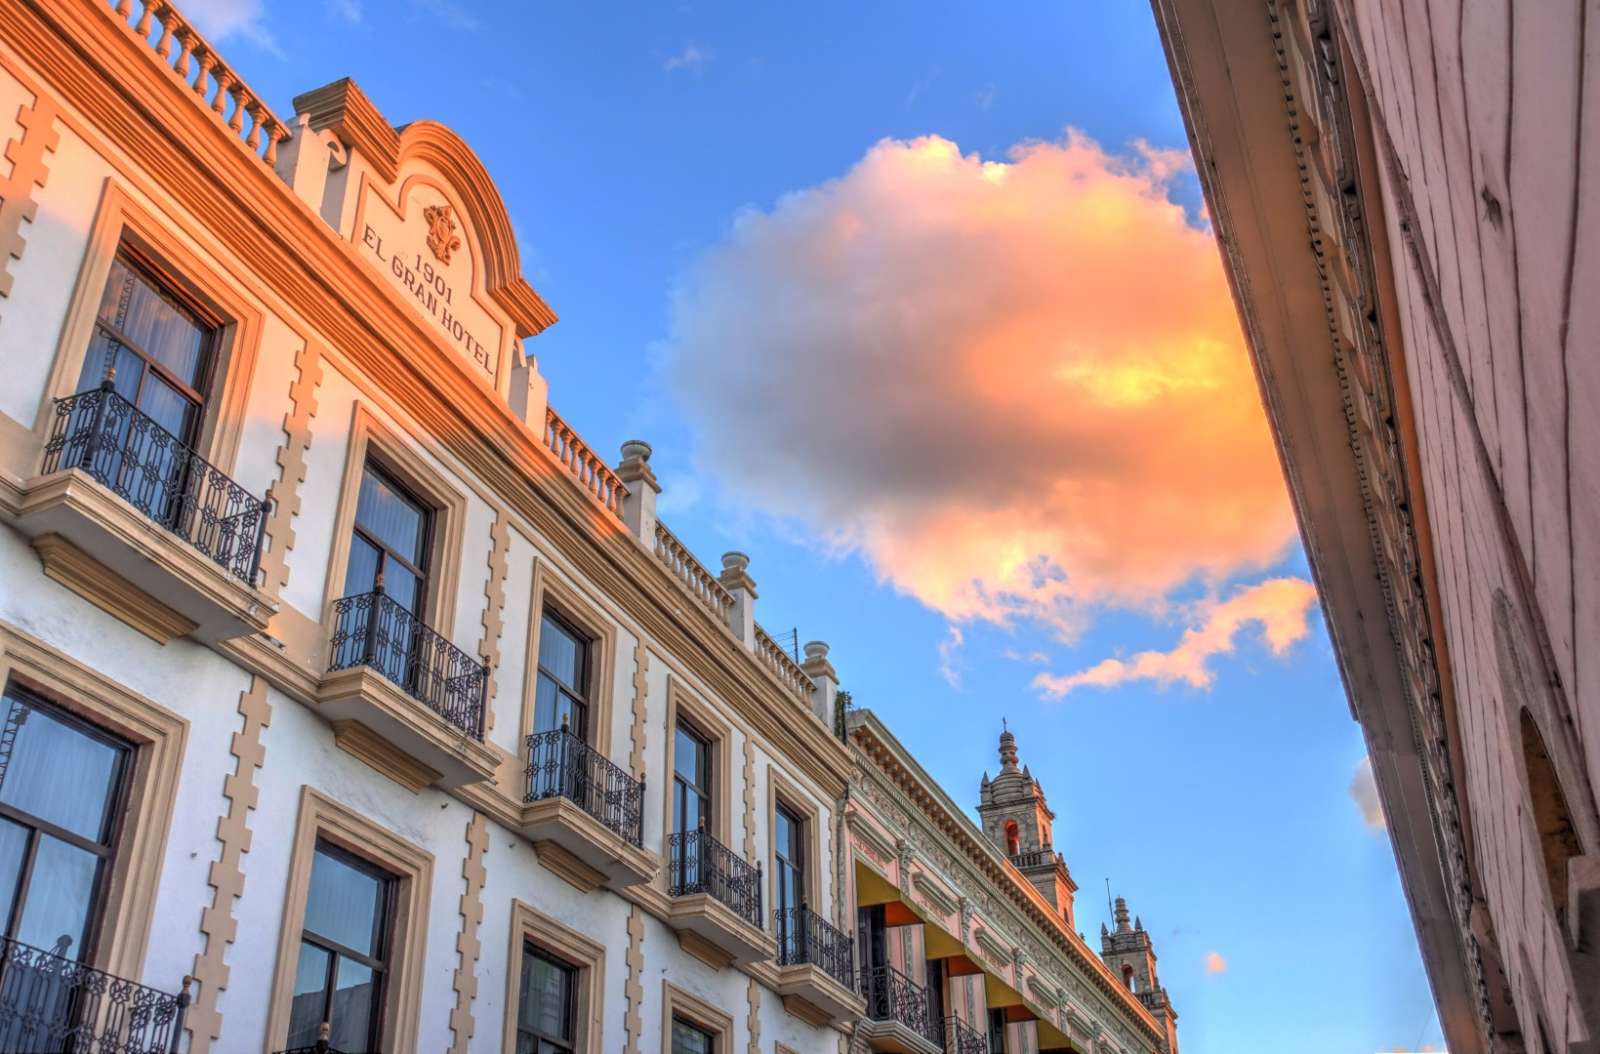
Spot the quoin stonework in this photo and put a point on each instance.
(352, 702)
(1404, 198)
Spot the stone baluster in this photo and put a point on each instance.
(639, 506)
(736, 579)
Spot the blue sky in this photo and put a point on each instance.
(660, 160)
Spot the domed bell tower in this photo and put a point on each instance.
(1017, 820)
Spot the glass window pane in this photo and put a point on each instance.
(13, 849)
(60, 891)
(163, 404)
(310, 995)
(361, 574)
(62, 775)
(546, 705)
(344, 903)
(561, 653)
(686, 756)
(401, 586)
(546, 1003)
(166, 331)
(687, 1039)
(391, 516)
(355, 1005)
(119, 289)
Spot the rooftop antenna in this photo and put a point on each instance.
(1109, 909)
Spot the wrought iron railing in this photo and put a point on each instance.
(560, 765)
(806, 937)
(371, 629)
(892, 996)
(962, 1038)
(50, 1003)
(701, 864)
(106, 436)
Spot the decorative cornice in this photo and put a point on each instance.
(869, 838)
(936, 897)
(218, 926)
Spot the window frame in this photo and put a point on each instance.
(385, 553)
(228, 296)
(383, 925)
(553, 593)
(370, 440)
(157, 738)
(569, 1011)
(682, 1005)
(782, 792)
(321, 819)
(532, 926)
(553, 614)
(682, 705)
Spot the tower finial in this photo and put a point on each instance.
(1008, 748)
(1122, 916)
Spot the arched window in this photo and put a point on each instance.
(1552, 821)
(1127, 976)
(1013, 839)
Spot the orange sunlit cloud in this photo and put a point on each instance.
(1215, 963)
(1279, 607)
(1018, 387)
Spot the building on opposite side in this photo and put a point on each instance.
(349, 697)
(1403, 195)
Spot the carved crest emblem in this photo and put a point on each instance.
(442, 238)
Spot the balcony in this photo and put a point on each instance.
(49, 1003)
(402, 698)
(962, 1038)
(715, 901)
(142, 526)
(816, 968)
(899, 1017)
(584, 814)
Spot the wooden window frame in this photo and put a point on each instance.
(684, 706)
(373, 441)
(121, 224)
(323, 819)
(679, 1003)
(806, 807)
(158, 738)
(552, 592)
(530, 925)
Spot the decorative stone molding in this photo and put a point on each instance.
(749, 798)
(995, 951)
(753, 1021)
(930, 891)
(226, 877)
(493, 621)
(28, 171)
(868, 838)
(284, 492)
(67, 565)
(641, 688)
(633, 989)
(467, 944)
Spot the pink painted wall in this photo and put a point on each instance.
(1494, 120)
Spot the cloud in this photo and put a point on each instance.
(1038, 658)
(1279, 606)
(985, 97)
(1215, 963)
(1017, 387)
(1364, 791)
(949, 655)
(221, 19)
(691, 58)
(447, 14)
(348, 10)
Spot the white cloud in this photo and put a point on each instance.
(1017, 387)
(950, 654)
(1364, 792)
(691, 58)
(348, 10)
(221, 19)
(448, 14)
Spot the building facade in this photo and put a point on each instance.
(351, 701)
(1403, 196)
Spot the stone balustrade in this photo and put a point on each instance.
(701, 584)
(584, 465)
(782, 663)
(175, 43)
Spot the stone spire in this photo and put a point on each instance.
(1132, 957)
(1122, 916)
(1017, 819)
(1008, 749)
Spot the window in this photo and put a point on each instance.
(562, 691)
(1013, 839)
(389, 542)
(61, 790)
(339, 977)
(691, 781)
(789, 876)
(546, 1004)
(689, 1038)
(159, 349)
(997, 1031)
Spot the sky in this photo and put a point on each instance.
(917, 305)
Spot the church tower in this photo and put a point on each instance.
(1131, 956)
(1017, 820)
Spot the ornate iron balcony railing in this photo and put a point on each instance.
(701, 864)
(892, 996)
(962, 1038)
(126, 451)
(560, 765)
(50, 1003)
(806, 937)
(371, 629)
